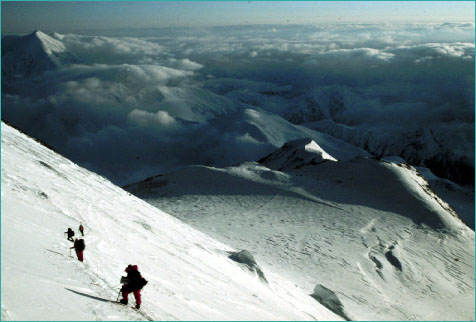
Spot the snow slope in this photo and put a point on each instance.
(33, 54)
(190, 275)
(372, 232)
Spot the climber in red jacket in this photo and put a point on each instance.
(79, 247)
(134, 283)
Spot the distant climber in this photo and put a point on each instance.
(134, 282)
(81, 229)
(79, 247)
(70, 233)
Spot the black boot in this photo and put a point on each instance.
(123, 301)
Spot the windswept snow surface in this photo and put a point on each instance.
(190, 275)
(371, 232)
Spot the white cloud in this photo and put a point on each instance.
(357, 53)
(184, 64)
(109, 50)
(144, 118)
(127, 74)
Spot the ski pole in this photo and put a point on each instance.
(118, 294)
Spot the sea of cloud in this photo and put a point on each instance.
(141, 102)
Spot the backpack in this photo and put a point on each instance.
(141, 283)
(70, 232)
(81, 245)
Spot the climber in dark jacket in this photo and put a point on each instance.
(135, 282)
(70, 234)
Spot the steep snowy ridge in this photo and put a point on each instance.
(190, 275)
(33, 54)
(459, 198)
(423, 147)
(366, 230)
(296, 154)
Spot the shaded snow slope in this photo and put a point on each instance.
(33, 54)
(190, 275)
(371, 232)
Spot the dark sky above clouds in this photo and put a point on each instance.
(73, 16)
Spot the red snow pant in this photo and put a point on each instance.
(80, 255)
(126, 291)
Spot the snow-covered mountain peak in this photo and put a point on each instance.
(33, 54)
(296, 154)
(309, 146)
(49, 44)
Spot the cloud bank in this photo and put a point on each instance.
(137, 104)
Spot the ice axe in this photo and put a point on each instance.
(118, 294)
(124, 280)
